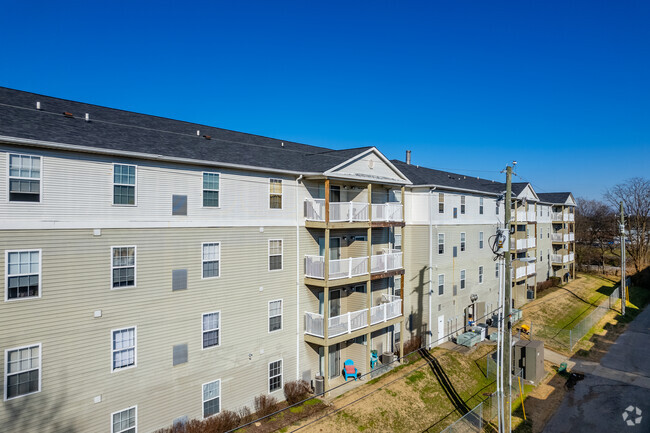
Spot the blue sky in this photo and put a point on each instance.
(467, 86)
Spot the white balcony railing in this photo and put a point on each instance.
(352, 211)
(562, 258)
(522, 244)
(385, 262)
(531, 242)
(387, 212)
(352, 321)
(572, 237)
(563, 216)
(562, 237)
(530, 268)
(353, 266)
(520, 272)
(519, 216)
(556, 216)
(531, 216)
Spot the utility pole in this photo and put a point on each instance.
(623, 291)
(506, 369)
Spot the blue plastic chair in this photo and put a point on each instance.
(349, 362)
(373, 359)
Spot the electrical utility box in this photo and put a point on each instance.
(502, 241)
(529, 356)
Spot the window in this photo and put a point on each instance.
(123, 350)
(496, 270)
(275, 375)
(24, 178)
(497, 206)
(480, 274)
(441, 202)
(462, 205)
(211, 398)
(441, 243)
(462, 279)
(275, 255)
(124, 184)
(210, 189)
(541, 232)
(275, 191)
(125, 421)
(210, 327)
(123, 267)
(441, 284)
(211, 259)
(275, 315)
(541, 256)
(480, 206)
(22, 371)
(398, 242)
(462, 241)
(23, 274)
(480, 240)
(179, 205)
(455, 213)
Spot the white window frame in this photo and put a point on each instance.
(135, 186)
(40, 274)
(443, 243)
(463, 279)
(281, 315)
(203, 261)
(9, 177)
(123, 410)
(203, 401)
(203, 189)
(281, 361)
(135, 349)
(6, 368)
(480, 274)
(480, 240)
(443, 284)
(463, 242)
(496, 270)
(281, 255)
(480, 205)
(135, 267)
(281, 193)
(218, 329)
(441, 201)
(463, 205)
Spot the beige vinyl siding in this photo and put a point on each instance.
(76, 282)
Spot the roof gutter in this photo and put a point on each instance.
(451, 188)
(142, 155)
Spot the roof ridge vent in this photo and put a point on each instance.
(68, 114)
(38, 105)
(198, 133)
(87, 117)
(207, 137)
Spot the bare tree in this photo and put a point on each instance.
(635, 195)
(595, 227)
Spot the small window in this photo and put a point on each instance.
(497, 207)
(480, 274)
(23, 274)
(211, 189)
(462, 205)
(455, 213)
(480, 240)
(275, 315)
(275, 375)
(24, 178)
(123, 351)
(275, 191)
(211, 259)
(496, 270)
(441, 284)
(441, 202)
(441, 243)
(125, 421)
(463, 243)
(22, 371)
(480, 206)
(462, 279)
(398, 242)
(541, 232)
(124, 184)
(211, 329)
(211, 398)
(275, 255)
(541, 256)
(123, 267)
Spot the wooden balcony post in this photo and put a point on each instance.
(327, 201)
(326, 260)
(326, 314)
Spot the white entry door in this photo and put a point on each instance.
(441, 330)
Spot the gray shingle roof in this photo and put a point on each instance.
(120, 130)
(554, 197)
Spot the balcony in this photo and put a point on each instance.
(522, 244)
(531, 216)
(562, 216)
(525, 270)
(562, 237)
(352, 211)
(353, 266)
(559, 259)
(352, 321)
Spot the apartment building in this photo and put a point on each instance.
(158, 270)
